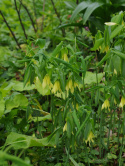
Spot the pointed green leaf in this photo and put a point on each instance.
(70, 4)
(116, 31)
(2, 107)
(120, 54)
(104, 58)
(90, 9)
(79, 8)
(97, 44)
(57, 49)
(27, 74)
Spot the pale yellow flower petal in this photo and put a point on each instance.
(122, 103)
(106, 104)
(65, 127)
(90, 138)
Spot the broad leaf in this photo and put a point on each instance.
(79, 8)
(16, 100)
(90, 9)
(19, 141)
(90, 77)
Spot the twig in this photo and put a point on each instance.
(28, 15)
(77, 2)
(20, 6)
(10, 29)
(58, 15)
(35, 13)
(20, 19)
(43, 16)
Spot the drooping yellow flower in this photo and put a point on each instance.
(90, 138)
(115, 72)
(65, 127)
(34, 61)
(56, 87)
(46, 81)
(69, 86)
(76, 85)
(115, 102)
(122, 103)
(105, 49)
(66, 58)
(106, 104)
(77, 106)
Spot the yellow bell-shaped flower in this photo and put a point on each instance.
(46, 81)
(65, 127)
(69, 86)
(90, 138)
(106, 104)
(66, 58)
(122, 103)
(56, 87)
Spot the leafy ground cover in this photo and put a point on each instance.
(62, 79)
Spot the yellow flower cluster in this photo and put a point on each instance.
(71, 86)
(90, 138)
(56, 87)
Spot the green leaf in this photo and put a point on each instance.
(4, 156)
(116, 31)
(19, 141)
(2, 107)
(104, 58)
(111, 156)
(79, 8)
(87, 130)
(39, 119)
(97, 44)
(123, 68)
(120, 54)
(90, 9)
(27, 74)
(18, 86)
(69, 125)
(106, 36)
(57, 49)
(90, 77)
(40, 89)
(83, 124)
(76, 120)
(70, 4)
(62, 80)
(117, 63)
(41, 43)
(16, 100)
(70, 24)
(73, 161)
(39, 73)
(117, 19)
